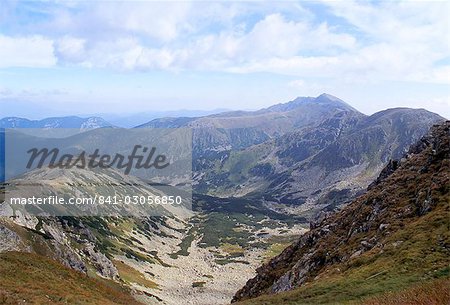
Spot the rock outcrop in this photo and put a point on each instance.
(405, 191)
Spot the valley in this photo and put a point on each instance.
(202, 259)
(184, 152)
(261, 181)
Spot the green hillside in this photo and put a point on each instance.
(28, 278)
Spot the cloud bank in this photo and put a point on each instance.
(354, 41)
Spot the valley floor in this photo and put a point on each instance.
(207, 275)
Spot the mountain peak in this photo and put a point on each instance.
(323, 99)
(326, 98)
(329, 97)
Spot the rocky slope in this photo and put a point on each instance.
(182, 257)
(109, 248)
(256, 161)
(320, 165)
(313, 152)
(394, 235)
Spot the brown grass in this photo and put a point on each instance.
(27, 278)
(131, 275)
(433, 293)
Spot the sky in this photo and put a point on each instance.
(123, 57)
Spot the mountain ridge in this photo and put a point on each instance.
(343, 151)
(323, 98)
(55, 122)
(258, 180)
(379, 227)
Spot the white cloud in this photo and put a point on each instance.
(28, 51)
(122, 53)
(70, 49)
(163, 21)
(379, 41)
(270, 38)
(405, 39)
(274, 36)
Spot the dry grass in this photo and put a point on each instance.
(273, 250)
(131, 275)
(232, 249)
(28, 278)
(434, 293)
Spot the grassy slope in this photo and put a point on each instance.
(415, 253)
(418, 259)
(434, 293)
(34, 279)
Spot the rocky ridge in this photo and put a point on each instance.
(407, 191)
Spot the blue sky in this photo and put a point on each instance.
(85, 57)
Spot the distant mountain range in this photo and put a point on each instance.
(310, 150)
(132, 120)
(241, 129)
(103, 119)
(259, 177)
(56, 122)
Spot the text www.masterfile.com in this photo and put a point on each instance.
(97, 199)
